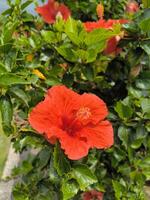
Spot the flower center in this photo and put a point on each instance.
(83, 113)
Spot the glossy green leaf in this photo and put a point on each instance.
(12, 79)
(124, 111)
(84, 176)
(69, 189)
(67, 53)
(61, 163)
(137, 143)
(75, 31)
(43, 157)
(123, 133)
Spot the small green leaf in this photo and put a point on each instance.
(88, 73)
(84, 176)
(23, 169)
(73, 28)
(123, 135)
(49, 36)
(53, 176)
(26, 4)
(145, 104)
(145, 25)
(20, 94)
(143, 84)
(69, 189)
(6, 114)
(137, 143)
(43, 157)
(67, 53)
(124, 111)
(118, 188)
(61, 163)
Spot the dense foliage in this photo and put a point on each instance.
(35, 55)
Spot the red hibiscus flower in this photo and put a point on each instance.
(77, 121)
(93, 195)
(113, 42)
(50, 10)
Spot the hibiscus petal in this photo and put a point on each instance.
(47, 11)
(75, 148)
(50, 10)
(63, 99)
(96, 105)
(99, 136)
(42, 116)
(64, 10)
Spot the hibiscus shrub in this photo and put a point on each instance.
(75, 86)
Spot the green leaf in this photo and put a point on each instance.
(98, 35)
(61, 163)
(31, 141)
(143, 84)
(75, 31)
(145, 25)
(84, 176)
(91, 55)
(141, 132)
(2, 69)
(119, 155)
(50, 81)
(146, 3)
(26, 4)
(134, 57)
(88, 73)
(49, 36)
(146, 47)
(69, 189)
(137, 143)
(43, 157)
(145, 105)
(11, 79)
(19, 195)
(6, 114)
(124, 111)
(123, 135)
(118, 188)
(23, 169)
(53, 176)
(67, 53)
(20, 94)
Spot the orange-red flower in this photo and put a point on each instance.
(113, 42)
(93, 195)
(50, 11)
(77, 121)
